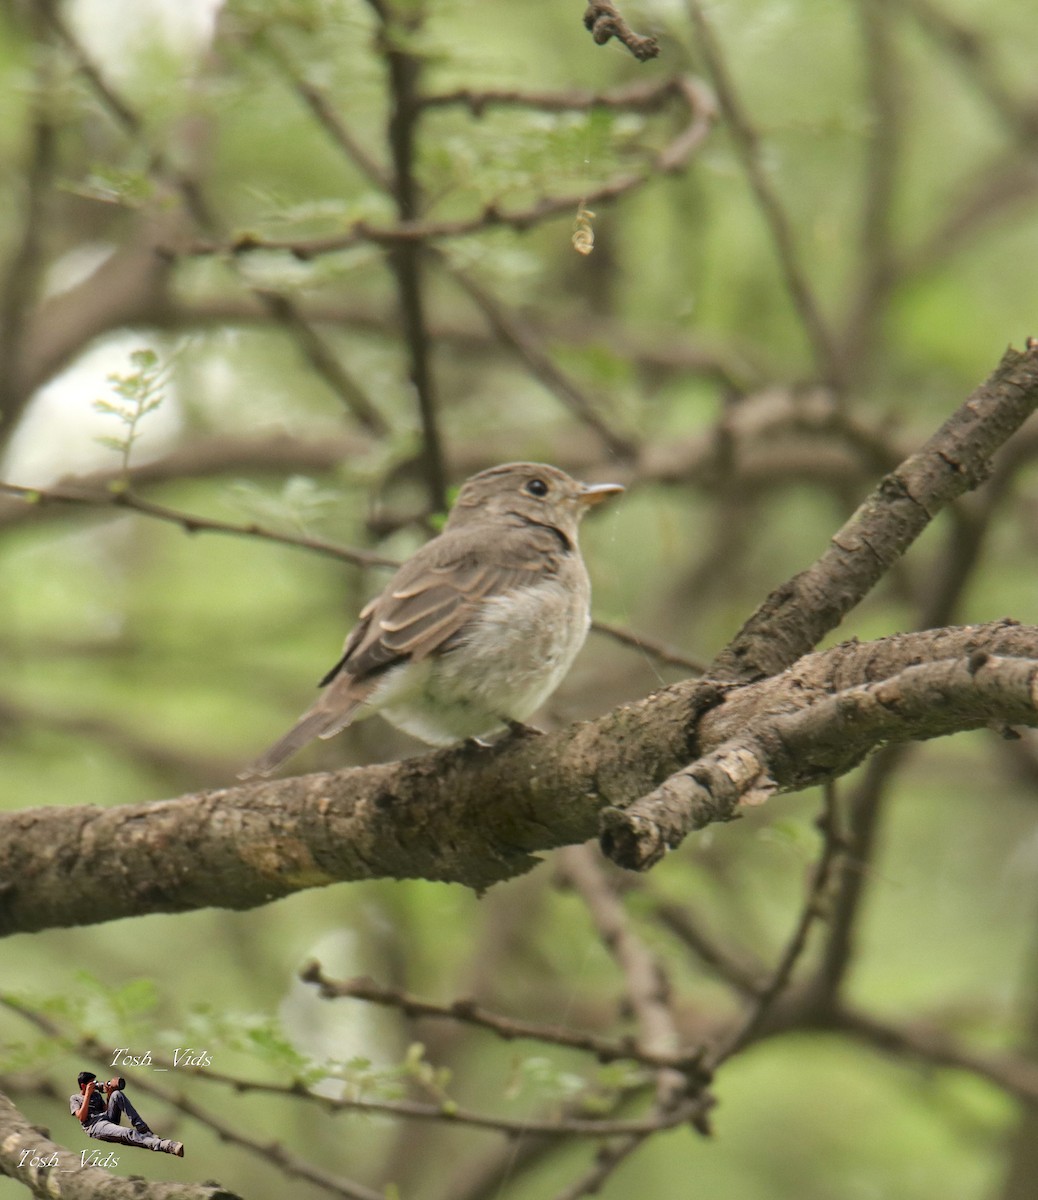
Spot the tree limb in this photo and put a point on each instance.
(798, 614)
(476, 815)
(805, 743)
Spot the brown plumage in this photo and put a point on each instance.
(477, 628)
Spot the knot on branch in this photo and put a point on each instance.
(604, 21)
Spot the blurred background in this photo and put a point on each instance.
(299, 267)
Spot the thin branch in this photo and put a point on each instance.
(643, 96)
(661, 651)
(404, 69)
(876, 256)
(191, 523)
(326, 115)
(606, 1162)
(747, 144)
(931, 1046)
(101, 498)
(468, 1012)
(522, 340)
(276, 454)
(288, 314)
(22, 275)
(814, 909)
(289, 1164)
(968, 47)
(737, 970)
(447, 1111)
(672, 158)
(864, 814)
(646, 985)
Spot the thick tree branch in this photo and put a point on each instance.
(797, 615)
(476, 815)
(801, 745)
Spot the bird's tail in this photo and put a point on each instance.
(331, 714)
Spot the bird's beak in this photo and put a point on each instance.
(595, 493)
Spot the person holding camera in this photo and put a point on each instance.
(101, 1116)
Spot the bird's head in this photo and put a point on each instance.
(532, 492)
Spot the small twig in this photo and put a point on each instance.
(194, 524)
(662, 651)
(470, 1013)
(287, 313)
(864, 813)
(603, 21)
(737, 970)
(326, 115)
(672, 158)
(606, 1162)
(747, 143)
(524, 342)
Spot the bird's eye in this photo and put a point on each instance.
(537, 487)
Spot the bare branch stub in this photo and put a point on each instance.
(603, 21)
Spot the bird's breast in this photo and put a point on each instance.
(504, 662)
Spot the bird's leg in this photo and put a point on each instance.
(513, 731)
(516, 729)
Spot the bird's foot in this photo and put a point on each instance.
(513, 730)
(516, 729)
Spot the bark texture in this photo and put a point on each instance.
(475, 815)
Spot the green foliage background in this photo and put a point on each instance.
(188, 654)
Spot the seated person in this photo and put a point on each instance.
(101, 1117)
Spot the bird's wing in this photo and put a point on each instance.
(437, 590)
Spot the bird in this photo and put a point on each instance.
(477, 628)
